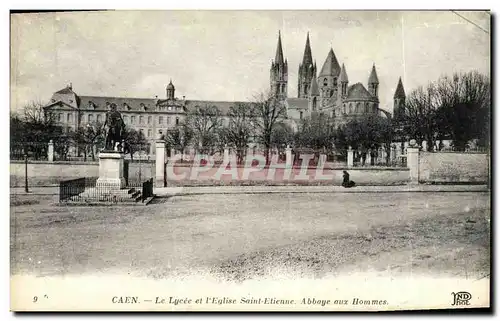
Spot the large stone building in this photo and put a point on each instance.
(327, 93)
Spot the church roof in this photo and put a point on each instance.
(314, 87)
(331, 66)
(373, 76)
(343, 75)
(297, 103)
(400, 91)
(358, 92)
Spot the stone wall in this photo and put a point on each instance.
(42, 173)
(453, 167)
(49, 174)
(200, 176)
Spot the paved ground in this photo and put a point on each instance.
(250, 234)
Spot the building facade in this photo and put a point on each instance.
(326, 93)
(329, 92)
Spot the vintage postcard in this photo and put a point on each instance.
(250, 160)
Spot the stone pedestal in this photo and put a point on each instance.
(50, 151)
(350, 157)
(160, 163)
(412, 163)
(110, 170)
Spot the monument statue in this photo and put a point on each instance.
(115, 127)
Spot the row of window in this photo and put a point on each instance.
(141, 120)
(127, 119)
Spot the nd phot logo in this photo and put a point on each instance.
(461, 298)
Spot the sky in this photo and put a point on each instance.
(226, 55)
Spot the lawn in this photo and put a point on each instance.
(246, 235)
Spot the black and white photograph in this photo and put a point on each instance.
(250, 160)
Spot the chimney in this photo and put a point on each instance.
(70, 86)
(183, 97)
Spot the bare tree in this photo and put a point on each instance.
(465, 107)
(239, 131)
(34, 113)
(204, 121)
(420, 118)
(267, 112)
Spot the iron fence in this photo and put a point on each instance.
(88, 189)
(30, 150)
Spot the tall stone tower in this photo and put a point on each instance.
(328, 81)
(399, 101)
(373, 82)
(307, 71)
(279, 73)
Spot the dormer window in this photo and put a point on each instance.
(325, 82)
(53, 100)
(126, 106)
(71, 101)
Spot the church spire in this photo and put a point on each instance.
(307, 59)
(343, 75)
(400, 91)
(373, 82)
(373, 79)
(279, 51)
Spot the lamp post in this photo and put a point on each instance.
(26, 172)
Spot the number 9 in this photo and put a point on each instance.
(35, 298)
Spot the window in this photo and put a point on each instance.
(301, 114)
(325, 82)
(168, 120)
(125, 119)
(160, 120)
(169, 107)
(91, 118)
(350, 108)
(60, 117)
(150, 119)
(69, 118)
(344, 109)
(150, 132)
(305, 89)
(358, 108)
(141, 120)
(335, 82)
(314, 103)
(98, 118)
(177, 120)
(132, 119)
(366, 108)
